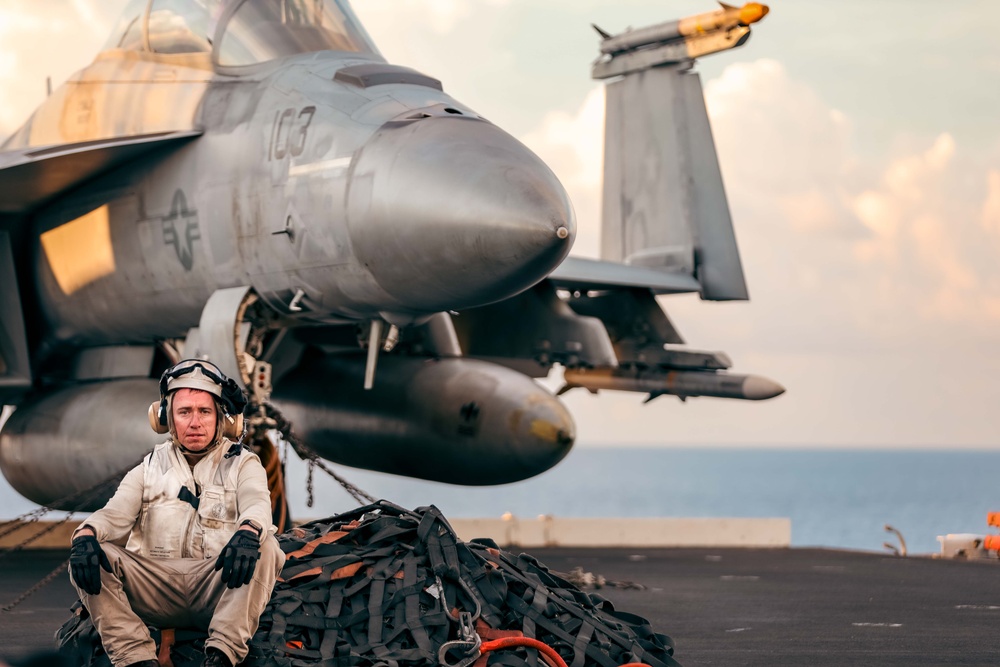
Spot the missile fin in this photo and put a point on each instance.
(727, 6)
(603, 33)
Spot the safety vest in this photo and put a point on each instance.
(188, 513)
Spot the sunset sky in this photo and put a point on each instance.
(860, 148)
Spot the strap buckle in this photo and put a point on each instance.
(468, 643)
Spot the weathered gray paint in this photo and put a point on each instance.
(477, 423)
(280, 212)
(664, 202)
(72, 439)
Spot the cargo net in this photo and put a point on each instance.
(383, 586)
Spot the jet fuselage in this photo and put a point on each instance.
(336, 192)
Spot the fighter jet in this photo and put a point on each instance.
(250, 182)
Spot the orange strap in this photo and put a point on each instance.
(487, 633)
(548, 653)
(166, 641)
(271, 461)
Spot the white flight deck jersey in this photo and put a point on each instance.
(169, 510)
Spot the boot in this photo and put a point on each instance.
(215, 658)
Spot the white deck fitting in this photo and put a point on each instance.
(549, 531)
(663, 532)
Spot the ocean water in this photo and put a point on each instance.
(834, 498)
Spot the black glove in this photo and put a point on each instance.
(85, 557)
(239, 559)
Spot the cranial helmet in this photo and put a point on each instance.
(204, 376)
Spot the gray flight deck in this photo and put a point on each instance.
(721, 606)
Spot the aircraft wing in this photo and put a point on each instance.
(602, 322)
(30, 176)
(579, 274)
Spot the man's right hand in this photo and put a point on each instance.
(86, 557)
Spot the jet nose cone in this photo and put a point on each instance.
(452, 212)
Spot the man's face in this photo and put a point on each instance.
(194, 418)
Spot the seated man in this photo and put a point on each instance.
(201, 550)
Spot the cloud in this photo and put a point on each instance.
(442, 16)
(784, 152)
(936, 238)
(892, 254)
(869, 277)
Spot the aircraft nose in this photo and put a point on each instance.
(452, 212)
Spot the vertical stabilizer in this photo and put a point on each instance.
(664, 202)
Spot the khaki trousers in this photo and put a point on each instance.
(177, 593)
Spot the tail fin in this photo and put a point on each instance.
(664, 202)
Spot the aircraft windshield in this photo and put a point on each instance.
(262, 30)
(183, 26)
(128, 32)
(257, 31)
(173, 26)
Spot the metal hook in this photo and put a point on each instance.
(469, 594)
(468, 643)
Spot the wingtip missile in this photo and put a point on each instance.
(684, 39)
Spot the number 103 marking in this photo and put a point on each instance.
(288, 135)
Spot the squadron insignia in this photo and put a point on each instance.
(180, 229)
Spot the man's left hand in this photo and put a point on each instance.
(238, 559)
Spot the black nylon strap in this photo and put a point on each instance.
(580, 646)
(412, 606)
(375, 612)
(394, 610)
(188, 497)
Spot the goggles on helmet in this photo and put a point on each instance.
(204, 376)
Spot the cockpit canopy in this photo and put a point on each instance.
(241, 32)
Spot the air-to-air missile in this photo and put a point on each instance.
(252, 183)
(684, 384)
(679, 372)
(676, 41)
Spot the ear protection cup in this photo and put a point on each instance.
(232, 427)
(154, 418)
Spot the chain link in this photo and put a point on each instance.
(78, 498)
(27, 518)
(310, 467)
(284, 427)
(37, 536)
(45, 581)
(362, 497)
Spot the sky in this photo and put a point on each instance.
(860, 150)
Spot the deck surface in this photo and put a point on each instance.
(721, 606)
